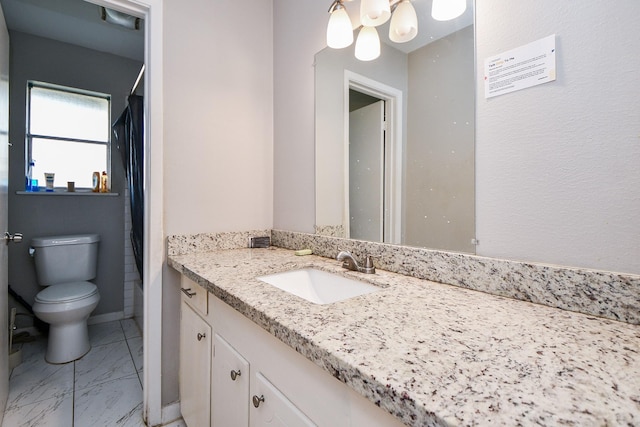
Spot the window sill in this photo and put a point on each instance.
(62, 192)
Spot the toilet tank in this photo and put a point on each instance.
(62, 259)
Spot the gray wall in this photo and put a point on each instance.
(35, 58)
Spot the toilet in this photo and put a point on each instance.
(64, 264)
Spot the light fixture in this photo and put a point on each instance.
(403, 26)
(339, 29)
(368, 44)
(404, 23)
(119, 18)
(445, 10)
(374, 12)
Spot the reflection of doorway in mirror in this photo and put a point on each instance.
(373, 160)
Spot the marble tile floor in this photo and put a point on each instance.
(103, 388)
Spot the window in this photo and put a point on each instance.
(68, 133)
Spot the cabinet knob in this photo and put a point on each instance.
(257, 400)
(187, 292)
(200, 336)
(235, 374)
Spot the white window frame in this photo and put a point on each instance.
(29, 136)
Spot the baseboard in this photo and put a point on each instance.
(177, 423)
(100, 318)
(106, 317)
(171, 415)
(32, 330)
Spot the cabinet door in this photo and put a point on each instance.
(231, 386)
(195, 368)
(269, 407)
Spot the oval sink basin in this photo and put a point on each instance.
(317, 286)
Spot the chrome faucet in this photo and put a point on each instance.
(350, 263)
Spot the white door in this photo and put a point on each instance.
(4, 182)
(366, 173)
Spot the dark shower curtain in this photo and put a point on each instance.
(128, 132)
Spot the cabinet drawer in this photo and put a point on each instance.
(195, 295)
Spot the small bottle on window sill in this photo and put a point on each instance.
(104, 183)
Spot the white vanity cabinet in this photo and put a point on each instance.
(195, 355)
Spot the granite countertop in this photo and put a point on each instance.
(434, 354)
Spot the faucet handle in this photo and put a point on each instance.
(368, 265)
(368, 262)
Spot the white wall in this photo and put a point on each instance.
(218, 157)
(218, 132)
(557, 178)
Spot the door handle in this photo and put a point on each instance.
(15, 238)
(188, 292)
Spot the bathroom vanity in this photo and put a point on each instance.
(414, 352)
(233, 373)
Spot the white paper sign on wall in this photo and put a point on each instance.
(529, 65)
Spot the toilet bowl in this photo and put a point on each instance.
(66, 309)
(64, 264)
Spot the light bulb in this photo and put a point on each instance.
(339, 29)
(374, 12)
(404, 23)
(368, 44)
(445, 10)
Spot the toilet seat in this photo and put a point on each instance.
(66, 292)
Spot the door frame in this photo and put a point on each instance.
(154, 254)
(4, 223)
(393, 150)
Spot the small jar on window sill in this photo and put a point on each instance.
(96, 182)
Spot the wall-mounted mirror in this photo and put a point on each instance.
(395, 137)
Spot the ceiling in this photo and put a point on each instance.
(73, 21)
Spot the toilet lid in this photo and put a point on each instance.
(67, 292)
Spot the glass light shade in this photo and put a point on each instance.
(444, 10)
(339, 30)
(368, 44)
(404, 23)
(374, 12)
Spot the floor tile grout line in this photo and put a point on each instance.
(131, 355)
